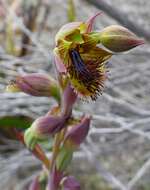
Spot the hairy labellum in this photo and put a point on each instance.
(79, 66)
(87, 73)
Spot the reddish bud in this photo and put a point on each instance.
(36, 85)
(70, 183)
(77, 134)
(42, 128)
(118, 39)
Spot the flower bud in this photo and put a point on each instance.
(74, 137)
(70, 183)
(118, 39)
(42, 128)
(77, 134)
(36, 85)
(68, 30)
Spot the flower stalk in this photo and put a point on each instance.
(37, 151)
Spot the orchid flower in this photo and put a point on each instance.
(78, 56)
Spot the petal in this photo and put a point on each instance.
(96, 53)
(75, 37)
(68, 29)
(59, 64)
(89, 43)
(90, 22)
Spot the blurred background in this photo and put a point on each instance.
(116, 155)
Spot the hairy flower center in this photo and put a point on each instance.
(88, 74)
(79, 66)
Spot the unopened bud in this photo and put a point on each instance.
(42, 128)
(74, 137)
(36, 85)
(70, 183)
(77, 134)
(118, 39)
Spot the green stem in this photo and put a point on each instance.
(71, 11)
(56, 146)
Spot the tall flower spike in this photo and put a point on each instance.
(36, 85)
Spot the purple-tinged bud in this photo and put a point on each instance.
(36, 85)
(70, 183)
(77, 134)
(42, 128)
(118, 39)
(35, 185)
(74, 137)
(69, 98)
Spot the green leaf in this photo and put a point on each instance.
(8, 123)
(21, 122)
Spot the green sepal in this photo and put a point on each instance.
(64, 158)
(30, 139)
